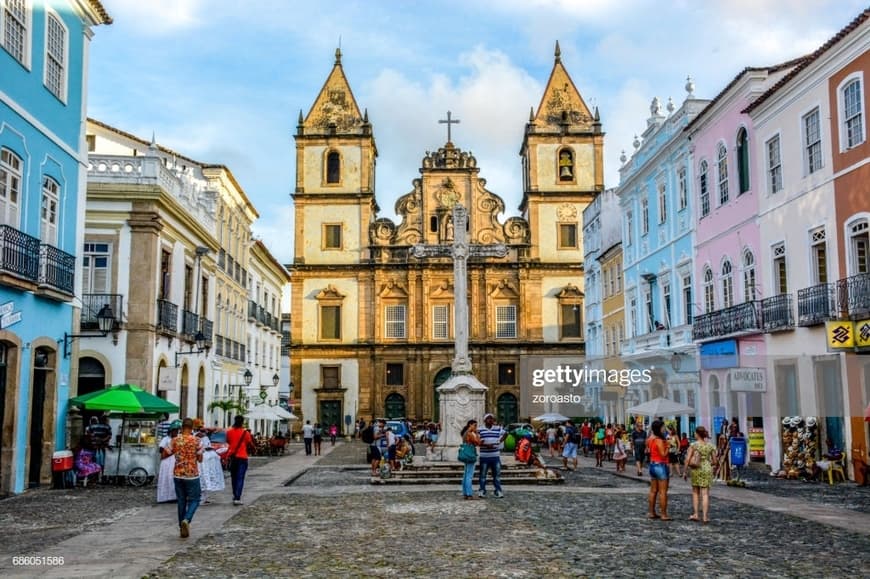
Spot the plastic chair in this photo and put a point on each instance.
(837, 466)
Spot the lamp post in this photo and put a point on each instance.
(199, 340)
(105, 321)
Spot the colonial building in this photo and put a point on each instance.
(658, 195)
(372, 326)
(43, 87)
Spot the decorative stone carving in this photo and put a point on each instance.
(394, 289)
(330, 293)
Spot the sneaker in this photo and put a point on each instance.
(481, 494)
(185, 529)
(499, 495)
(237, 502)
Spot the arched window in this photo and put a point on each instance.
(727, 285)
(333, 167)
(743, 160)
(722, 173)
(10, 187)
(704, 189)
(749, 292)
(709, 300)
(566, 165)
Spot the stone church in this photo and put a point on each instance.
(372, 325)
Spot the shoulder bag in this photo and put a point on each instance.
(467, 453)
(694, 460)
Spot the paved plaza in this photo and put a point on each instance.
(331, 522)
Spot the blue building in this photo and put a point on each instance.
(655, 194)
(43, 84)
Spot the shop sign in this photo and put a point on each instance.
(722, 354)
(747, 380)
(840, 335)
(862, 334)
(167, 379)
(7, 308)
(756, 442)
(9, 319)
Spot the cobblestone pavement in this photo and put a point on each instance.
(48, 516)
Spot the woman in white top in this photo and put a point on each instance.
(165, 478)
(211, 473)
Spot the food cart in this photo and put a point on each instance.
(136, 454)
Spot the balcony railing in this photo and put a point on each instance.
(853, 296)
(189, 324)
(207, 329)
(743, 317)
(93, 303)
(20, 253)
(777, 313)
(252, 310)
(261, 314)
(167, 316)
(817, 304)
(56, 269)
(219, 345)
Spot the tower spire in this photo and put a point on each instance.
(338, 55)
(558, 53)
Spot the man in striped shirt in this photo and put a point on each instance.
(491, 437)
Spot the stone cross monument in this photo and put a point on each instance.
(462, 396)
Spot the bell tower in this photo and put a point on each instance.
(563, 168)
(334, 198)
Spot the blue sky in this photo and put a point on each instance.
(223, 81)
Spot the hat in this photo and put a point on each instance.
(488, 415)
(175, 425)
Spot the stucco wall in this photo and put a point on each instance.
(315, 163)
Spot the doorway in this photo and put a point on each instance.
(507, 409)
(330, 413)
(394, 406)
(39, 387)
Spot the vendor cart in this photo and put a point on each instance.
(136, 456)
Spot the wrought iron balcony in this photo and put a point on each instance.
(817, 304)
(219, 345)
(20, 254)
(742, 318)
(777, 313)
(222, 258)
(252, 310)
(853, 296)
(206, 328)
(189, 324)
(167, 316)
(261, 314)
(93, 303)
(56, 269)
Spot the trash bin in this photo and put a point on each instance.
(738, 451)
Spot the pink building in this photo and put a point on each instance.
(732, 316)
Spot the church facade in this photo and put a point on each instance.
(372, 325)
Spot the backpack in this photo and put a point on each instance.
(368, 434)
(575, 437)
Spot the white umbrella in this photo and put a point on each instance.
(551, 417)
(283, 414)
(660, 407)
(262, 412)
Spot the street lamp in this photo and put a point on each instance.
(199, 339)
(275, 379)
(105, 321)
(248, 376)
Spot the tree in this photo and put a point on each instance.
(227, 406)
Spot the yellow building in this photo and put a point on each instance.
(372, 326)
(613, 323)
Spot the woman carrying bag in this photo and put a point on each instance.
(470, 442)
(699, 465)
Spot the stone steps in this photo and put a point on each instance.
(451, 473)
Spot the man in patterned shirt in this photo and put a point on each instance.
(188, 450)
(491, 437)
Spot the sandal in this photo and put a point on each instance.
(652, 516)
(694, 518)
(665, 518)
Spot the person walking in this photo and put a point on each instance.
(211, 471)
(673, 441)
(308, 436)
(638, 441)
(491, 437)
(166, 473)
(702, 475)
(318, 438)
(239, 440)
(658, 472)
(188, 454)
(572, 440)
(469, 435)
(333, 433)
(598, 444)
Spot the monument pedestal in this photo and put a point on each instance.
(461, 398)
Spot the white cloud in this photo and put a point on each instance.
(159, 17)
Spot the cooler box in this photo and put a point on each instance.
(62, 460)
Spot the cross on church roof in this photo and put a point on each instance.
(448, 122)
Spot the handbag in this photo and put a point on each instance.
(232, 464)
(467, 453)
(694, 460)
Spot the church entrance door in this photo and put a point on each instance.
(440, 378)
(330, 413)
(507, 409)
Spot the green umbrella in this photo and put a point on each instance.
(124, 398)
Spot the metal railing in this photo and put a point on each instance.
(93, 303)
(167, 316)
(853, 296)
(817, 304)
(57, 269)
(252, 310)
(189, 324)
(740, 318)
(777, 313)
(219, 345)
(207, 328)
(20, 253)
